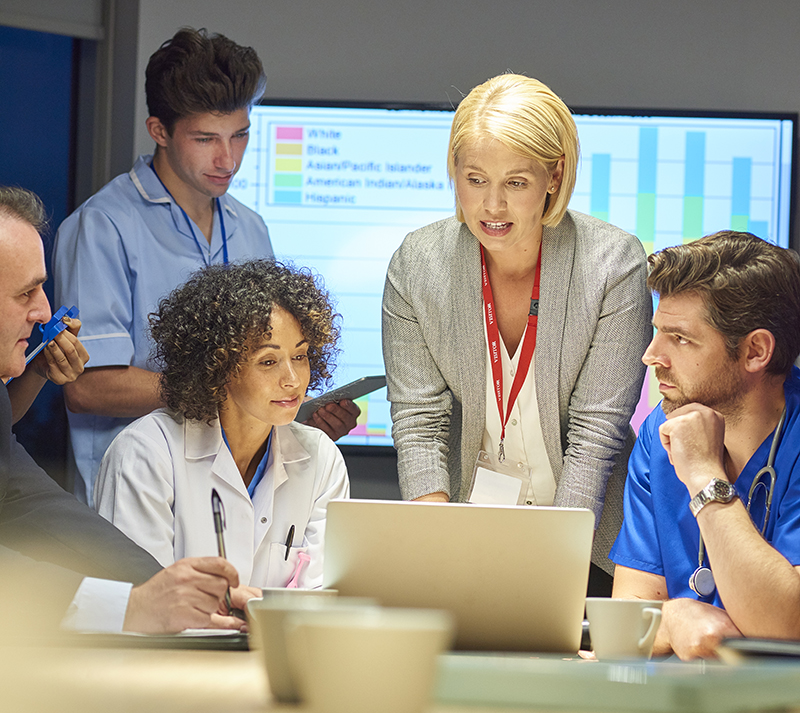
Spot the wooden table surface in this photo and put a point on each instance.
(117, 680)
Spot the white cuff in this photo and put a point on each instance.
(98, 605)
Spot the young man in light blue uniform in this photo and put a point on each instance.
(145, 232)
(728, 331)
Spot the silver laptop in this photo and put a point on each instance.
(514, 577)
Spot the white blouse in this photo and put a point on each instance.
(524, 441)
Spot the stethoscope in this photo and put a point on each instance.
(702, 580)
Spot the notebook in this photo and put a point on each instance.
(514, 577)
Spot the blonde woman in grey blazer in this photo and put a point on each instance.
(512, 158)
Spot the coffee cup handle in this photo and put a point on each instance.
(646, 642)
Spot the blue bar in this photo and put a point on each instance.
(648, 151)
(695, 163)
(740, 190)
(760, 228)
(288, 197)
(601, 183)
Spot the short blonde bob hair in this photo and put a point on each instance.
(530, 120)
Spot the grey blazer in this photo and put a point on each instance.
(594, 325)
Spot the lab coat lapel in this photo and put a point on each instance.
(276, 488)
(205, 442)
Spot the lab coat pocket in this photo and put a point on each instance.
(283, 571)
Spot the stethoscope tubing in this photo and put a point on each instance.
(768, 469)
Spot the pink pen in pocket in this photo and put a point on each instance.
(303, 558)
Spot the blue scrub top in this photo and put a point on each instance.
(659, 533)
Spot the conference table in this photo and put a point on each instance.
(91, 679)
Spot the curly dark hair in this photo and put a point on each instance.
(204, 329)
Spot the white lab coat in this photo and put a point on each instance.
(155, 485)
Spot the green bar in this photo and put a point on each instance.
(288, 164)
(646, 219)
(692, 217)
(740, 222)
(289, 180)
(601, 214)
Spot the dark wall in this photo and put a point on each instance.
(36, 71)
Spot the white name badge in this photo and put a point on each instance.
(496, 483)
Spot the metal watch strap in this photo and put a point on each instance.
(717, 491)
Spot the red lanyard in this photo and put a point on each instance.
(528, 345)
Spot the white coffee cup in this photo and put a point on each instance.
(623, 628)
(371, 660)
(265, 617)
(268, 594)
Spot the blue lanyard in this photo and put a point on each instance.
(189, 221)
(262, 466)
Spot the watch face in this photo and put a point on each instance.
(722, 490)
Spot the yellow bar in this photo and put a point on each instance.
(288, 164)
(289, 149)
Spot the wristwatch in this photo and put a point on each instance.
(717, 491)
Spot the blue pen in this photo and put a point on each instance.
(51, 330)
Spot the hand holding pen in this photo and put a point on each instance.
(218, 511)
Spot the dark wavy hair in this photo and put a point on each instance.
(746, 284)
(204, 329)
(197, 73)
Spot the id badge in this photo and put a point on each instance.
(496, 483)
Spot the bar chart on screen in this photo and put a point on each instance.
(341, 185)
(671, 180)
(674, 179)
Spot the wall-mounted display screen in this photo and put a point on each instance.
(341, 185)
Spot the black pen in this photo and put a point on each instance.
(218, 511)
(289, 541)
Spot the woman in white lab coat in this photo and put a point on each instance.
(238, 346)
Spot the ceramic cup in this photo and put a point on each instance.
(265, 620)
(623, 628)
(365, 661)
(267, 594)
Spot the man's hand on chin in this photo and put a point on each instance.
(694, 438)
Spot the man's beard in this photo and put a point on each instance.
(724, 392)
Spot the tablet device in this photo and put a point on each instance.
(355, 389)
(738, 649)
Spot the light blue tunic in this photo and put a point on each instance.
(115, 257)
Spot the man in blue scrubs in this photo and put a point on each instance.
(727, 334)
(145, 232)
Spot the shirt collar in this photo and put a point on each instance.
(153, 191)
(202, 441)
(146, 181)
